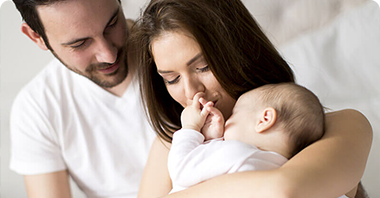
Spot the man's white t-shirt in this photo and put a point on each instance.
(62, 120)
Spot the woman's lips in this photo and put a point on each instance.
(214, 102)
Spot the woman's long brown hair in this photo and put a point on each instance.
(238, 53)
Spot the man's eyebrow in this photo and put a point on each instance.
(82, 39)
(74, 41)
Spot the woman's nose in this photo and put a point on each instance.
(193, 86)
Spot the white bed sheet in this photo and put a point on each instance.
(340, 62)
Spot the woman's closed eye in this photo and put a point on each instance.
(170, 82)
(203, 69)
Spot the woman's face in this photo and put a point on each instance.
(180, 62)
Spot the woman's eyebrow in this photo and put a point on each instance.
(164, 72)
(196, 57)
(191, 61)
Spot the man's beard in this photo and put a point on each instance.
(91, 71)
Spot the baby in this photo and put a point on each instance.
(268, 126)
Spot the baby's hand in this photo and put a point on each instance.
(214, 124)
(193, 117)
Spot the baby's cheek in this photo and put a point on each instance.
(227, 135)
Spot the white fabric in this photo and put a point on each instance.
(340, 63)
(191, 161)
(62, 120)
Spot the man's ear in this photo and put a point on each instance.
(267, 119)
(33, 36)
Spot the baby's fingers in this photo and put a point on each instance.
(196, 99)
(206, 110)
(217, 115)
(203, 101)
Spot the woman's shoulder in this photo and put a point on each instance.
(349, 120)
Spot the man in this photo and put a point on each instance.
(81, 116)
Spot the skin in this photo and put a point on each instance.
(251, 122)
(207, 119)
(331, 164)
(242, 123)
(102, 24)
(54, 184)
(184, 80)
(254, 123)
(95, 45)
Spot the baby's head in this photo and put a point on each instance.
(277, 117)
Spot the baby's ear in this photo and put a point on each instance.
(267, 119)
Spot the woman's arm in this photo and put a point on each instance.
(156, 181)
(328, 168)
(336, 163)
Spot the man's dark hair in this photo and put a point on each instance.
(28, 11)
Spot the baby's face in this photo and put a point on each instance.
(240, 125)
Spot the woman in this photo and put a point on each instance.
(216, 47)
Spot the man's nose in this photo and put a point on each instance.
(106, 51)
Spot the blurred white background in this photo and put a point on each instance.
(20, 60)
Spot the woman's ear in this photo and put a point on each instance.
(267, 119)
(33, 36)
